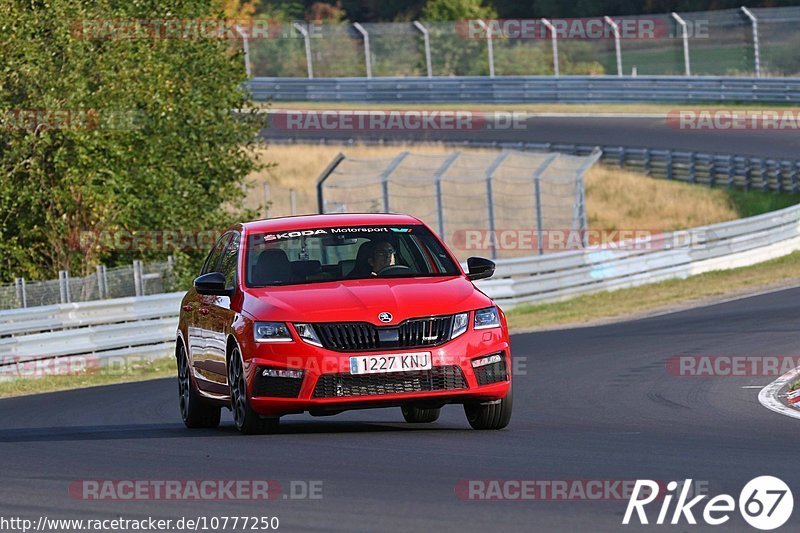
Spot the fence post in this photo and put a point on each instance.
(489, 46)
(137, 278)
(367, 58)
(246, 46)
(307, 41)
(490, 199)
(293, 201)
(692, 165)
(63, 286)
(756, 48)
(646, 162)
(321, 181)
(385, 178)
(731, 172)
(615, 29)
(554, 40)
(794, 182)
(427, 42)
(22, 297)
(748, 174)
(685, 35)
(101, 293)
(537, 195)
(438, 182)
(593, 158)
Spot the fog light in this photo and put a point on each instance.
(275, 373)
(488, 360)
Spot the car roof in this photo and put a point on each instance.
(329, 220)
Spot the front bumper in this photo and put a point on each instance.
(328, 387)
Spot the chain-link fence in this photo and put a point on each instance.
(470, 199)
(725, 42)
(138, 279)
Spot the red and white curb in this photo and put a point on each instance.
(768, 397)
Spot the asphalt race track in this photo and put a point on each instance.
(645, 132)
(594, 403)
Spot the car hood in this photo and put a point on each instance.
(363, 300)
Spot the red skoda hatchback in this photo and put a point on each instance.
(325, 313)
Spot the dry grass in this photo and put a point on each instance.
(615, 199)
(619, 199)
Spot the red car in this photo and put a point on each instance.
(325, 313)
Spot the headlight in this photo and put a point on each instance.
(307, 333)
(459, 324)
(271, 332)
(487, 318)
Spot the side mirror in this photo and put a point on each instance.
(211, 284)
(479, 268)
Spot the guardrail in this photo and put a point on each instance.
(528, 89)
(721, 246)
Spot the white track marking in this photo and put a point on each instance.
(769, 394)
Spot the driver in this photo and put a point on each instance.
(382, 256)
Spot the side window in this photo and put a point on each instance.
(212, 261)
(230, 260)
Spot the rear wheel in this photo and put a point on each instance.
(195, 411)
(416, 415)
(490, 416)
(247, 421)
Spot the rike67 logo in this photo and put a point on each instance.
(765, 503)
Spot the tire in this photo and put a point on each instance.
(195, 411)
(416, 415)
(492, 416)
(247, 421)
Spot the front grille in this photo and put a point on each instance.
(276, 387)
(436, 379)
(359, 336)
(491, 373)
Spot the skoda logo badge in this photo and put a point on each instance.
(385, 317)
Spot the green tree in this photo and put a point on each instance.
(152, 143)
(450, 10)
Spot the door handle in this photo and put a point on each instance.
(188, 308)
(203, 311)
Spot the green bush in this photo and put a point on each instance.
(178, 161)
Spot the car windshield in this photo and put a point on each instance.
(341, 253)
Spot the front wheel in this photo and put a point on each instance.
(491, 416)
(247, 421)
(416, 415)
(195, 411)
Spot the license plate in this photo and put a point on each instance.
(396, 362)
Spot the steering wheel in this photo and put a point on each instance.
(392, 269)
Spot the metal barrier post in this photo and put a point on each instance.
(137, 278)
(246, 47)
(385, 178)
(321, 181)
(438, 183)
(101, 293)
(554, 40)
(427, 42)
(756, 50)
(615, 29)
(19, 284)
(63, 286)
(367, 58)
(489, 46)
(293, 201)
(490, 198)
(595, 156)
(685, 36)
(307, 41)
